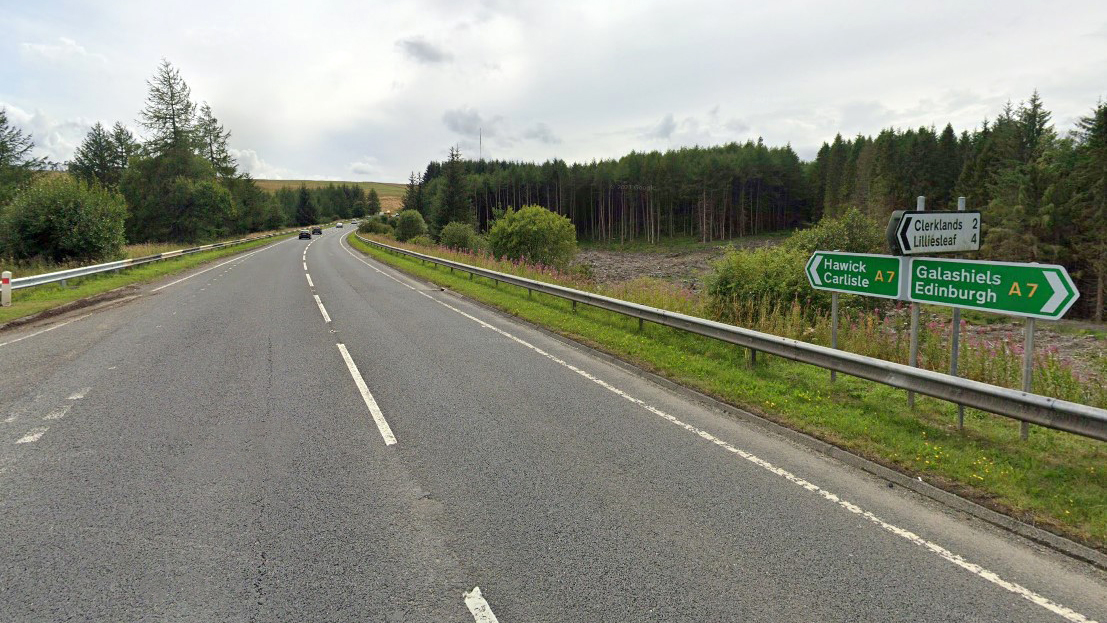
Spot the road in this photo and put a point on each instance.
(228, 447)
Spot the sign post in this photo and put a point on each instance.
(955, 341)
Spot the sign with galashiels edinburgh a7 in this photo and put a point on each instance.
(936, 232)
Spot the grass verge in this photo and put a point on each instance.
(1055, 480)
(29, 301)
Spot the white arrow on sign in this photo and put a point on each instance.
(1060, 293)
(813, 270)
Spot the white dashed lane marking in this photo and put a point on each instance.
(80, 393)
(33, 435)
(370, 402)
(58, 413)
(478, 607)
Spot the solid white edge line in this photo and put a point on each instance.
(58, 413)
(478, 607)
(33, 435)
(60, 324)
(310, 284)
(233, 259)
(370, 402)
(1056, 608)
(322, 310)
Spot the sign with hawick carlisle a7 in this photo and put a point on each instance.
(855, 273)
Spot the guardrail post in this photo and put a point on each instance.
(65, 283)
(833, 329)
(920, 205)
(6, 288)
(574, 306)
(639, 325)
(1027, 372)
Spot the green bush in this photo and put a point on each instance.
(460, 236)
(409, 224)
(766, 275)
(852, 232)
(60, 219)
(374, 226)
(422, 240)
(534, 234)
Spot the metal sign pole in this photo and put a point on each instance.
(833, 328)
(920, 205)
(1027, 372)
(955, 340)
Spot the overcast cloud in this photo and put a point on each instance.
(374, 90)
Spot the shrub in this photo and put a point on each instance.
(852, 232)
(767, 274)
(535, 234)
(374, 226)
(409, 224)
(460, 236)
(422, 240)
(61, 219)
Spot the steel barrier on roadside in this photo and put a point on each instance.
(1062, 415)
(82, 271)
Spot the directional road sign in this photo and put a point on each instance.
(1035, 290)
(935, 232)
(855, 273)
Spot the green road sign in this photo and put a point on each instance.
(855, 273)
(1036, 290)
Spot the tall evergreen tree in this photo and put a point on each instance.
(1091, 176)
(373, 203)
(212, 142)
(169, 114)
(306, 213)
(16, 163)
(454, 200)
(96, 159)
(125, 143)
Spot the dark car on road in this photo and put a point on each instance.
(305, 234)
(317, 231)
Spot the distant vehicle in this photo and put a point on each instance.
(317, 231)
(338, 225)
(305, 234)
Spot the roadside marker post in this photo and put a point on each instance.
(920, 205)
(6, 288)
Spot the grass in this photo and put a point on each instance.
(1055, 480)
(30, 301)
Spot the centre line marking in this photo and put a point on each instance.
(990, 576)
(478, 607)
(305, 265)
(33, 435)
(58, 413)
(322, 310)
(80, 393)
(60, 324)
(234, 259)
(308, 275)
(370, 402)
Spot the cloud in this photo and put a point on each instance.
(249, 161)
(468, 122)
(66, 49)
(367, 167)
(423, 52)
(541, 132)
(56, 139)
(664, 129)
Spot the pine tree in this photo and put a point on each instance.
(306, 213)
(1091, 176)
(16, 163)
(454, 206)
(212, 139)
(170, 114)
(125, 143)
(96, 160)
(373, 203)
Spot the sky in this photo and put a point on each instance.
(375, 90)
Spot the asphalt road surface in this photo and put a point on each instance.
(302, 434)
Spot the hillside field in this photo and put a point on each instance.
(391, 194)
